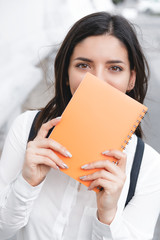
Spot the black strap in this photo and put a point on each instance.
(135, 166)
(32, 133)
(135, 169)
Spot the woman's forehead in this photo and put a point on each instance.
(106, 46)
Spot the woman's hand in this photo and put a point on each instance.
(110, 179)
(41, 155)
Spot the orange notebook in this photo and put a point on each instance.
(98, 118)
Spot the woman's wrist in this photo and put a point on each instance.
(32, 182)
(106, 217)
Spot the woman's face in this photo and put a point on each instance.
(105, 57)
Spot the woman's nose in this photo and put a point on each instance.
(101, 75)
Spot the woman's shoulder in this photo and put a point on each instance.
(26, 116)
(151, 156)
(150, 161)
(149, 176)
(150, 151)
(22, 124)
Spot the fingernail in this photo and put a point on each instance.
(65, 165)
(84, 166)
(58, 118)
(105, 152)
(83, 177)
(68, 154)
(57, 167)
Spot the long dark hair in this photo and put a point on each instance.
(93, 25)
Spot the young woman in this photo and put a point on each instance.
(37, 200)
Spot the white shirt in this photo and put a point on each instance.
(59, 208)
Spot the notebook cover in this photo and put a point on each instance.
(98, 117)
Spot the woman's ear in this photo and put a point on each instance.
(132, 81)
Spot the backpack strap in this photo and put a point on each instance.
(32, 133)
(135, 169)
(135, 166)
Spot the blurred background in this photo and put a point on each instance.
(31, 32)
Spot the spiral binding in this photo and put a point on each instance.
(141, 116)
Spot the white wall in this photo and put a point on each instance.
(29, 31)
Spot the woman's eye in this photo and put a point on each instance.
(116, 69)
(82, 65)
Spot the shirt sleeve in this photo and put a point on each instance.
(16, 195)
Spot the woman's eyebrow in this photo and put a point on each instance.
(107, 62)
(114, 61)
(83, 59)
